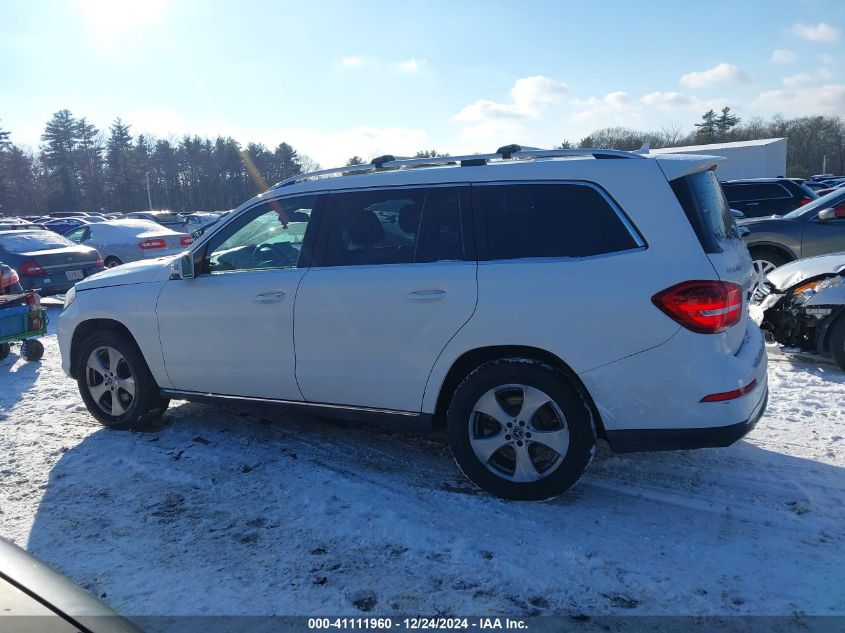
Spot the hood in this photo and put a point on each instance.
(139, 272)
(794, 273)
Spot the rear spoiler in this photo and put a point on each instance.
(676, 166)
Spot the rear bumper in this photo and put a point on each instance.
(641, 440)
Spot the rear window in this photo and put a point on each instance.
(34, 241)
(551, 220)
(757, 191)
(169, 217)
(706, 208)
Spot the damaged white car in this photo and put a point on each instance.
(801, 306)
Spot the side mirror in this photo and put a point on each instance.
(826, 215)
(182, 268)
(738, 215)
(186, 266)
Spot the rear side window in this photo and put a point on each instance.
(392, 226)
(704, 203)
(759, 191)
(550, 220)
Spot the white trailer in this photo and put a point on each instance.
(764, 158)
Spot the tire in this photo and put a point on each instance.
(502, 387)
(837, 342)
(5, 350)
(106, 363)
(764, 261)
(32, 350)
(111, 261)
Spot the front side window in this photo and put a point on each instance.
(77, 235)
(550, 220)
(269, 236)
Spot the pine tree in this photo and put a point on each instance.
(707, 128)
(122, 185)
(725, 122)
(58, 156)
(89, 160)
(286, 162)
(355, 160)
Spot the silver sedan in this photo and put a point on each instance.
(122, 241)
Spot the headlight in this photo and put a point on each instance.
(809, 289)
(70, 297)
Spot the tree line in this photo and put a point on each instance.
(814, 142)
(79, 167)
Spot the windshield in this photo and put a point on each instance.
(33, 241)
(829, 200)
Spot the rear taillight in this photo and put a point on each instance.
(147, 244)
(805, 201)
(731, 395)
(706, 307)
(100, 263)
(9, 278)
(186, 241)
(30, 268)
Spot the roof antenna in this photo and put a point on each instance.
(645, 149)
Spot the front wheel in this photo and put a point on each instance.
(115, 382)
(519, 429)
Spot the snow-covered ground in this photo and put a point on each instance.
(220, 511)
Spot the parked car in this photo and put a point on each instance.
(63, 225)
(67, 214)
(122, 241)
(817, 228)
(175, 221)
(760, 197)
(802, 306)
(46, 261)
(200, 220)
(37, 598)
(529, 306)
(17, 225)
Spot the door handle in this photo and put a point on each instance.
(269, 297)
(426, 295)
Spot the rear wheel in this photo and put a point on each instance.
(765, 261)
(112, 261)
(115, 382)
(519, 429)
(837, 342)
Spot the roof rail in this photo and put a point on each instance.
(505, 153)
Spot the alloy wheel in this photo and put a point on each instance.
(762, 268)
(518, 432)
(109, 380)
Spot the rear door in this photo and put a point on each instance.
(394, 279)
(707, 209)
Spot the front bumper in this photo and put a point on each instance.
(641, 440)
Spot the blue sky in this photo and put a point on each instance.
(338, 78)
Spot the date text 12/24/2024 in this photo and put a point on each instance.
(418, 623)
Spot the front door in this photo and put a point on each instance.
(229, 330)
(391, 284)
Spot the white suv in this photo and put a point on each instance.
(530, 301)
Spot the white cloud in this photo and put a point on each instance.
(820, 32)
(666, 99)
(827, 99)
(411, 65)
(805, 78)
(352, 62)
(720, 74)
(782, 56)
(528, 96)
